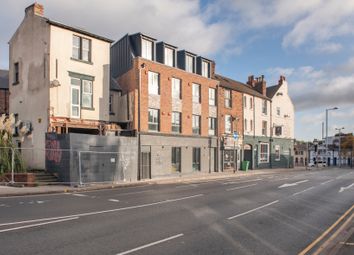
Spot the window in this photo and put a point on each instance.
(154, 120)
(264, 107)
(169, 56)
(16, 73)
(176, 159)
(278, 111)
(227, 96)
(251, 125)
(251, 103)
(245, 124)
(277, 153)
(196, 93)
(212, 126)
(176, 122)
(212, 94)
(176, 88)
(228, 124)
(245, 102)
(110, 104)
(75, 97)
(87, 94)
(196, 159)
(81, 48)
(146, 49)
(205, 69)
(190, 64)
(154, 83)
(196, 124)
(264, 128)
(264, 153)
(278, 130)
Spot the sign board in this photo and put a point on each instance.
(235, 135)
(285, 152)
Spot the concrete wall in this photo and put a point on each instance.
(103, 159)
(29, 46)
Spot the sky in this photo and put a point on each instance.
(309, 42)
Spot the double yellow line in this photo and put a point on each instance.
(324, 234)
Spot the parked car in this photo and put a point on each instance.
(319, 163)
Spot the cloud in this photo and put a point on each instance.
(329, 48)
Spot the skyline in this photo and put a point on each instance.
(294, 39)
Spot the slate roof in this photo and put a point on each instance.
(271, 91)
(238, 86)
(4, 79)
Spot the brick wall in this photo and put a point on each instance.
(4, 101)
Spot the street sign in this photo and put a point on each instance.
(235, 135)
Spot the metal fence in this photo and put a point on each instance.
(68, 166)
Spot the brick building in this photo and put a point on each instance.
(172, 105)
(4, 92)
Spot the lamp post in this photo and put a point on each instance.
(327, 110)
(315, 143)
(340, 135)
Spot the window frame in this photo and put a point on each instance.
(196, 119)
(80, 49)
(16, 73)
(212, 100)
(177, 125)
(278, 111)
(227, 98)
(83, 93)
(190, 66)
(245, 124)
(264, 107)
(173, 83)
(171, 58)
(152, 123)
(228, 123)
(196, 159)
(176, 159)
(212, 123)
(245, 102)
(153, 89)
(264, 127)
(263, 155)
(277, 152)
(196, 98)
(147, 49)
(205, 69)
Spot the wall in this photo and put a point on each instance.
(60, 59)
(260, 117)
(30, 98)
(4, 101)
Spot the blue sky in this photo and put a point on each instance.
(310, 42)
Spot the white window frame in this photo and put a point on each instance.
(190, 63)
(245, 102)
(78, 105)
(196, 93)
(212, 126)
(277, 152)
(245, 124)
(228, 124)
(251, 103)
(264, 107)
(212, 96)
(227, 98)
(154, 83)
(85, 93)
(146, 49)
(176, 122)
(264, 129)
(176, 88)
(169, 56)
(278, 111)
(155, 113)
(80, 48)
(196, 127)
(205, 69)
(263, 155)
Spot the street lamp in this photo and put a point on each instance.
(329, 109)
(315, 143)
(340, 135)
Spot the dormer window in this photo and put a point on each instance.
(205, 69)
(189, 63)
(146, 49)
(169, 56)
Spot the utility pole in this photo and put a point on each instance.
(330, 109)
(339, 150)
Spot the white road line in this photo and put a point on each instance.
(297, 193)
(292, 184)
(327, 182)
(79, 195)
(255, 209)
(113, 200)
(38, 224)
(105, 211)
(241, 187)
(344, 188)
(239, 182)
(286, 178)
(151, 244)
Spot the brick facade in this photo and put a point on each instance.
(4, 101)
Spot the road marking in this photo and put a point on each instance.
(113, 200)
(239, 182)
(131, 193)
(349, 244)
(241, 187)
(105, 211)
(151, 244)
(292, 184)
(314, 243)
(297, 193)
(338, 177)
(38, 224)
(79, 195)
(255, 209)
(286, 178)
(327, 182)
(344, 188)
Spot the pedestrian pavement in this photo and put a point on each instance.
(6, 191)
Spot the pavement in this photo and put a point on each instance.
(280, 212)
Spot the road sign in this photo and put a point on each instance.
(235, 135)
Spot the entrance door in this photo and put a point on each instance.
(75, 101)
(176, 159)
(145, 169)
(247, 155)
(229, 160)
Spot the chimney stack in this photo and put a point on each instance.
(281, 80)
(251, 81)
(35, 9)
(259, 84)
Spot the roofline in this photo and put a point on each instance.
(190, 53)
(207, 59)
(81, 31)
(144, 35)
(168, 45)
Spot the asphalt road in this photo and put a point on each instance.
(260, 214)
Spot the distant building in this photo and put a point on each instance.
(4, 92)
(59, 80)
(301, 151)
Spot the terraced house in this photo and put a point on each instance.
(172, 105)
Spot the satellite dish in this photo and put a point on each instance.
(55, 83)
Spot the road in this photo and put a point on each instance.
(259, 214)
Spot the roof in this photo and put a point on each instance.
(271, 91)
(114, 85)
(4, 79)
(144, 35)
(238, 86)
(78, 30)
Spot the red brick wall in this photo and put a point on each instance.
(235, 111)
(130, 83)
(4, 101)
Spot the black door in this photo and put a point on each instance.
(248, 156)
